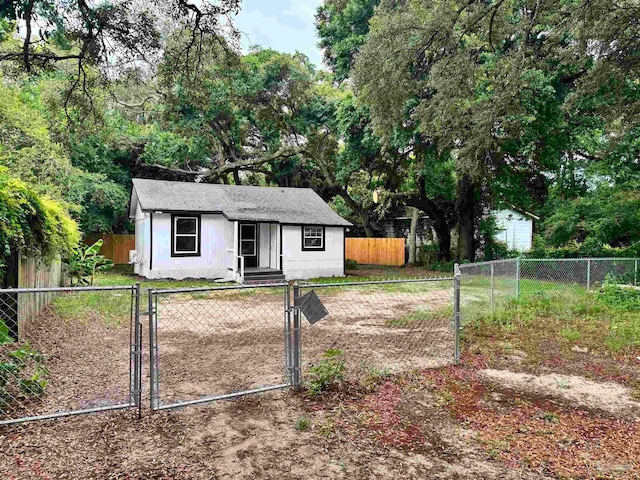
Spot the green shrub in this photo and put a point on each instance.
(83, 263)
(302, 424)
(22, 370)
(619, 298)
(327, 372)
(350, 264)
(31, 223)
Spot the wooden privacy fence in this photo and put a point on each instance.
(115, 247)
(376, 251)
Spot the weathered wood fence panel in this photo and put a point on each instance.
(115, 247)
(376, 251)
(34, 273)
(16, 309)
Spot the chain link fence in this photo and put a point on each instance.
(381, 327)
(66, 351)
(217, 343)
(486, 286)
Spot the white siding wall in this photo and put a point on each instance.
(142, 235)
(516, 229)
(300, 264)
(216, 239)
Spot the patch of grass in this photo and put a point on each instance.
(326, 428)
(604, 321)
(570, 334)
(112, 307)
(302, 424)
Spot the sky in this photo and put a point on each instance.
(283, 25)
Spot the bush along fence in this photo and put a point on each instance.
(486, 286)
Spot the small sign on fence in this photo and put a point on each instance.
(312, 308)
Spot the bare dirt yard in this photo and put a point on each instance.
(532, 399)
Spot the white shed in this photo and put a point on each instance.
(241, 233)
(515, 228)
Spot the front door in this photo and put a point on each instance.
(249, 244)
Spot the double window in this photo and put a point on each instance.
(312, 238)
(185, 235)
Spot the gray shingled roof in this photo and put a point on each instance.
(236, 202)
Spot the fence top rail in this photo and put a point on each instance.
(66, 289)
(488, 262)
(215, 289)
(377, 282)
(625, 259)
(524, 260)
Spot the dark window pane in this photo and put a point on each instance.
(186, 225)
(248, 232)
(312, 232)
(247, 247)
(313, 242)
(185, 244)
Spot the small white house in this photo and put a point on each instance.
(515, 229)
(241, 233)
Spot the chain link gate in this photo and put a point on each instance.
(68, 351)
(216, 343)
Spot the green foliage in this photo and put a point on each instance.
(327, 372)
(351, 264)
(342, 28)
(31, 223)
(608, 215)
(619, 298)
(22, 370)
(302, 424)
(83, 263)
(605, 321)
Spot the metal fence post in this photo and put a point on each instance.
(287, 333)
(492, 285)
(635, 272)
(588, 274)
(152, 354)
(296, 367)
(518, 277)
(456, 311)
(137, 353)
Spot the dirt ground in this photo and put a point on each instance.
(221, 344)
(253, 437)
(403, 427)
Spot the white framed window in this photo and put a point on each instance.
(185, 235)
(312, 238)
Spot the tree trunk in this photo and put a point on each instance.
(413, 229)
(440, 224)
(444, 241)
(466, 219)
